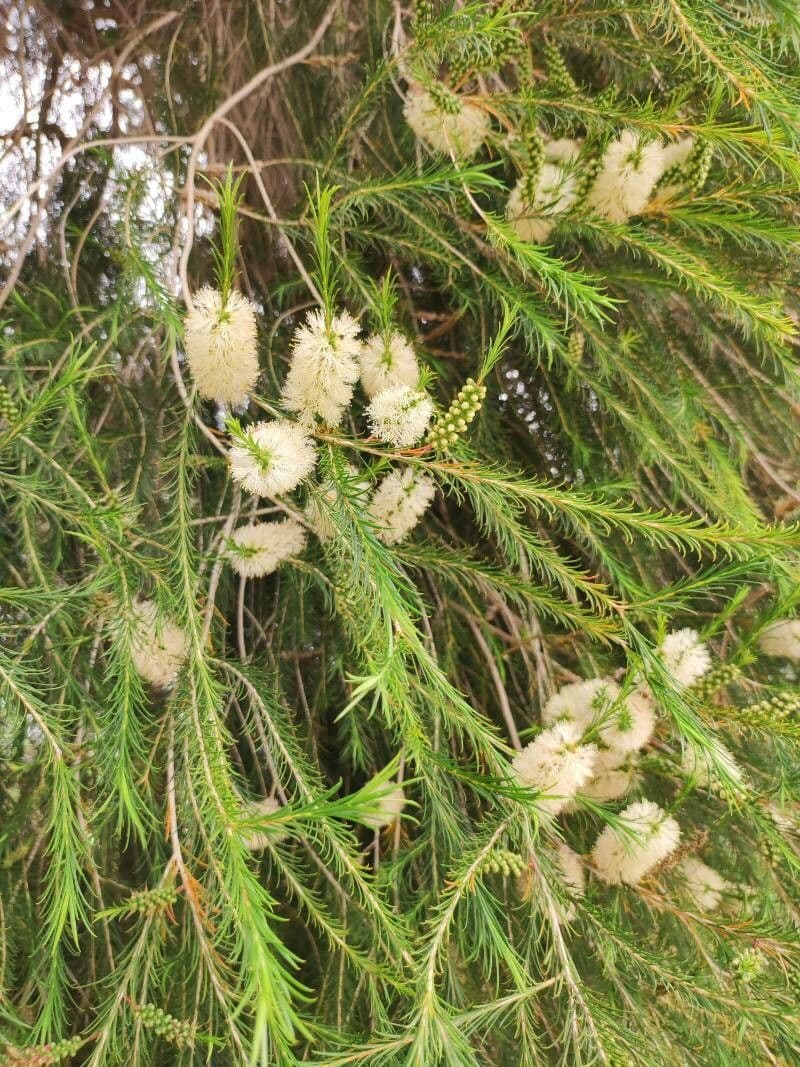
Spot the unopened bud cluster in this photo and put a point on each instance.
(575, 346)
(772, 853)
(699, 166)
(152, 900)
(724, 674)
(43, 1055)
(445, 100)
(449, 427)
(585, 179)
(9, 412)
(481, 54)
(780, 706)
(502, 861)
(558, 76)
(534, 159)
(176, 1031)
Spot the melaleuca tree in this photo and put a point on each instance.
(398, 469)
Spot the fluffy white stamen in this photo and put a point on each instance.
(628, 852)
(279, 457)
(387, 810)
(400, 415)
(629, 171)
(399, 502)
(703, 884)
(315, 512)
(257, 840)
(459, 133)
(221, 346)
(555, 193)
(685, 656)
(260, 547)
(386, 362)
(782, 639)
(158, 646)
(557, 764)
(323, 368)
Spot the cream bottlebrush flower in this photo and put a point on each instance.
(460, 133)
(624, 725)
(399, 503)
(258, 840)
(400, 415)
(276, 457)
(626, 853)
(315, 513)
(562, 150)
(685, 656)
(221, 347)
(628, 173)
(784, 819)
(572, 869)
(388, 809)
(569, 866)
(323, 367)
(703, 884)
(580, 702)
(631, 722)
(556, 763)
(556, 190)
(611, 783)
(158, 646)
(386, 362)
(676, 153)
(698, 767)
(782, 638)
(260, 547)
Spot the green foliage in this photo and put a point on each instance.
(309, 846)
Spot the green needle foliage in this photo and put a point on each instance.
(288, 769)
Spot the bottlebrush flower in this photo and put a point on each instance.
(274, 457)
(323, 367)
(387, 810)
(555, 763)
(555, 193)
(630, 723)
(257, 840)
(158, 646)
(386, 362)
(700, 769)
(400, 415)
(458, 132)
(624, 725)
(399, 503)
(572, 870)
(676, 153)
(580, 702)
(316, 514)
(626, 853)
(627, 175)
(782, 638)
(703, 884)
(685, 656)
(611, 783)
(562, 149)
(221, 346)
(260, 547)
(783, 818)
(570, 866)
